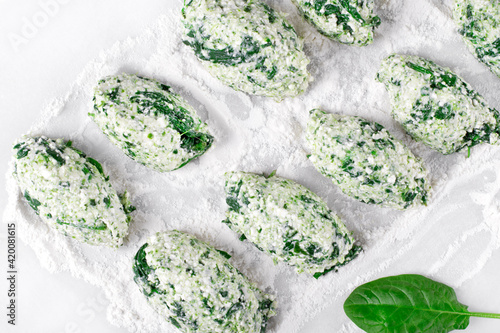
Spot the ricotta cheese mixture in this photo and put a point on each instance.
(288, 222)
(247, 45)
(70, 192)
(149, 122)
(478, 21)
(194, 286)
(366, 161)
(455, 238)
(435, 106)
(346, 21)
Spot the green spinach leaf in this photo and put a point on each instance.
(408, 303)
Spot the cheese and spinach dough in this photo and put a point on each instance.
(366, 161)
(288, 222)
(193, 285)
(149, 122)
(478, 22)
(435, 106)
(346, 21)
(70, 192)
(247, 45)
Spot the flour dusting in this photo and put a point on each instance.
(451, 239)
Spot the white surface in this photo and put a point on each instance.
(44, 68)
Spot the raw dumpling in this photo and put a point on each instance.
(366, 161)
(288, 222)
(478, 22)
(346, 21)
(194, 286)
(435, 106)
(149, 122)
(247, 45)
(70, 191)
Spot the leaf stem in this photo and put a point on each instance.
(485, 315)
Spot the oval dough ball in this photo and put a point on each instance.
(194, 286)
(70, 191)
(478, 22)
(288, 222)
(346, 21)
(149, 122)
(435, 106)
(247, 45)
(366, 161)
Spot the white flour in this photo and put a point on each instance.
(449, 240)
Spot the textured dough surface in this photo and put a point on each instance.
(70, 192)
(366, 161)
(478, 22)
(247, 45)
(149, 122)
(194, 286)
(435, 106)
(287, 221)
(346, 21)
